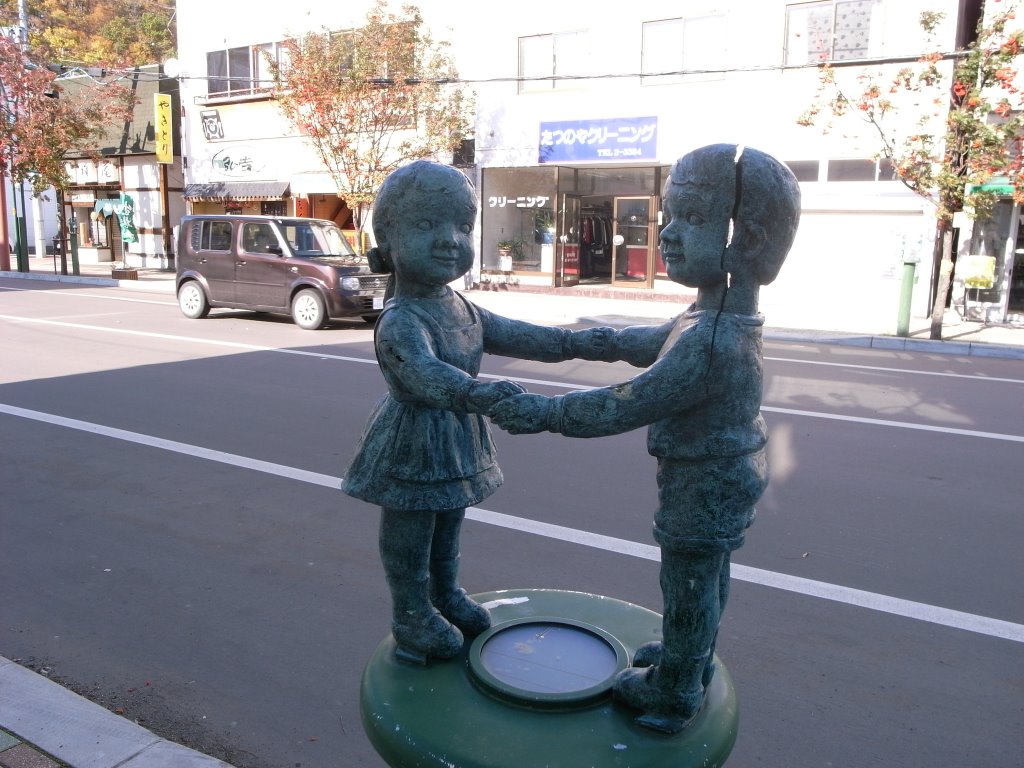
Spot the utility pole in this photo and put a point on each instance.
(5, 239)
(5, 169)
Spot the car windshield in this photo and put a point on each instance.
(317, 239)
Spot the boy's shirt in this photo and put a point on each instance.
(701, 396)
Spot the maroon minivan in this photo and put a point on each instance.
(302, 267)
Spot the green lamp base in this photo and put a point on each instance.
(535, 690)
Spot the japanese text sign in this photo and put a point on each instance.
(624, 138)
(162, 118)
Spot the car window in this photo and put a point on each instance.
(258, 237)
(314, 239)
(211, 236)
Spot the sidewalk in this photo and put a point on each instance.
(621, 307)
(41, 720)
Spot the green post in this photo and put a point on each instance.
(20, 245)
(73, 238)
(906, 292)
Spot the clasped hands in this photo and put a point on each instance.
(511, 407)
(519, 412)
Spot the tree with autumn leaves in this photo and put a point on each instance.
(372, 99)
(948, 124)
(97, 33)
(40, 121)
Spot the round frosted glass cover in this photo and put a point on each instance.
(548, 658)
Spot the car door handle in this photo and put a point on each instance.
(202, 261)
(239, 263)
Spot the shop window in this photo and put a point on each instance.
(860, 169)
(804, 170)
(617, 181)
(836, 30)
(244, 70)
(518, 207)
(92, 228)
(464, 155)
(546, 60)
(690, 48)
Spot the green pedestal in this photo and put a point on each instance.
(508, 703)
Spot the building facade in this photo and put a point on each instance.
(580, 112)
(123, 202)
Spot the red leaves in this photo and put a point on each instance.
(42, 121)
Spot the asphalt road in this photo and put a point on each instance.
(173, 546)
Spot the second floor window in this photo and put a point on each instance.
(242, 71)
(835, 30)
(693, 45)
(544, 59)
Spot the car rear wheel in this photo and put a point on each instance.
(192, 300)
(309, 310)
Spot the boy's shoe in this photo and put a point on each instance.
(424, 636)
(664, 709)
(464, 612)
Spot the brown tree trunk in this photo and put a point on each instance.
(944, 279)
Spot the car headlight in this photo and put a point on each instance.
(350, 283)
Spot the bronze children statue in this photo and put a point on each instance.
(732, 215)
(426, 452)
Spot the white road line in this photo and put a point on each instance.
(189, 339)
(884, 369)
(872, 601)
(853, 366)
(79, 295)
(535, 382)
(898, 424)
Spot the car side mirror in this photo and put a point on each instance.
(276, 249)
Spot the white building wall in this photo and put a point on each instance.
(854, 237)
(40, 218)
(141, 180)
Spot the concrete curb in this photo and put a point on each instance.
(899, 343)
(81, 733)
(162, 285)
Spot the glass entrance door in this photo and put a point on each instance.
(634, 238)
(990, 273)
(567, 241)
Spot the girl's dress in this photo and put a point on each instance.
(421, 449)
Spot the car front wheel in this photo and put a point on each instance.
(192, 300)
(309, 310)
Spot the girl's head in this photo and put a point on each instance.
(423, 221)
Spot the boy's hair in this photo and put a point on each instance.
(421, 177)
(757, 188)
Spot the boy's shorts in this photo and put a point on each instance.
(707, 505)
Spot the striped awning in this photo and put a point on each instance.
(239, 191)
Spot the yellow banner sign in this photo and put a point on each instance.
(163, 118)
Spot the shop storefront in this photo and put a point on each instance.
(595, 221)
(991, 273)
(251, 198)
(89, 202)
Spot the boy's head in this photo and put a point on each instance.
(755, 204)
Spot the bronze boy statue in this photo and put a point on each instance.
(426, 452)
(732, 214)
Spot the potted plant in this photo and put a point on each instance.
(510, 250)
